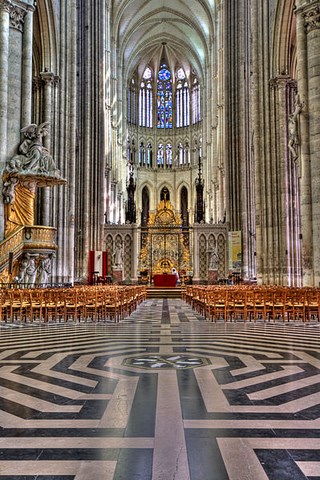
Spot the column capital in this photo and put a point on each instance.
(5, 5)
(48, 78)
(310, 10)
(17, 15)
(312, 18)
(282, 81)
(45, 78)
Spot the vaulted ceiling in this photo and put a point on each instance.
(143, 27)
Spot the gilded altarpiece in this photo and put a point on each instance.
(164, 243)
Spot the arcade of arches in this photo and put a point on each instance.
(111, 109)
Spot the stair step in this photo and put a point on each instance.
(163, 292)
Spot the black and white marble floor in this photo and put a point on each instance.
(164, 395)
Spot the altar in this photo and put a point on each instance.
(164, 280)
(165, 246)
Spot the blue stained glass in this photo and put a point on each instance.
(164, 98)
(164, 73)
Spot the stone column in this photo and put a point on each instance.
(4, 56)
(26, 87)
(195, 253)
(135, 255)
(48, 79)
(304, 161)
(257, 143)
(288, 250)
(312, 24)
(15, 79)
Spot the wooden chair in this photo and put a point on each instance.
(237, 304)
(4, 305)
(312, 304)
(37, 304)
(53, 304)
(115, 305)
(279, 304)
(219, 304)
(70, 304)
(295, 304)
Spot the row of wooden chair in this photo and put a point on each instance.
(95, 303)
(254, 302)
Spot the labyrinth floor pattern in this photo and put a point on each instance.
(164, 395)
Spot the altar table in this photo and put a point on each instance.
(164, 280)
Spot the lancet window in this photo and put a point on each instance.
(145, 100)
(182, 100)
(159, 92)
(164, 97)
(196, 104)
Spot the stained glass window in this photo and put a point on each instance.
(164, 98)
(196, 107)
(180, 74)
(182, 100)
(145, 100)
(147, 74)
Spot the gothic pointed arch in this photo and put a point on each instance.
(145, 202)
(165, 193)
(184, 206)
(284, 40)
(45, 38)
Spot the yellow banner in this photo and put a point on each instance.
(235, 251)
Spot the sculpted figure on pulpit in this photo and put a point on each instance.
(33, 156)
(32, 167)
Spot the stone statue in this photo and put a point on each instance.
(44, 270)
(118, 256)
(22, 269)
(213, 260)
(31, 272)
(33, 157)
(293, 128)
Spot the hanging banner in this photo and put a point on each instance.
(235, 251)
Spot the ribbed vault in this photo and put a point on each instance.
(187, 28)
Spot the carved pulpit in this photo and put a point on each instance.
(30, 168)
